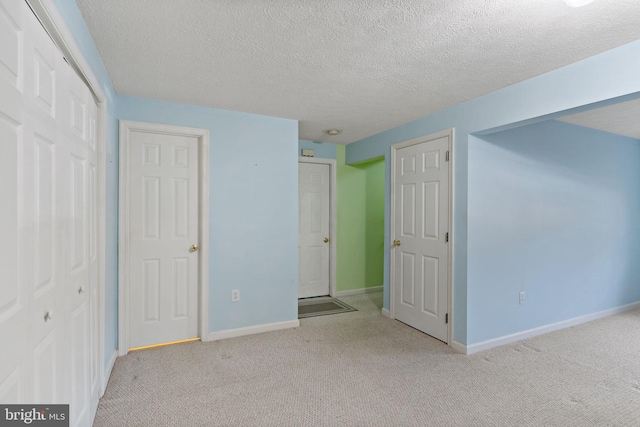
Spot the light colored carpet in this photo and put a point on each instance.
(362, 369)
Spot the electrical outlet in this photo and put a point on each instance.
(235, 295)
(522, 297)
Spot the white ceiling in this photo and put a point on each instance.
(361, 66)
(622, 118)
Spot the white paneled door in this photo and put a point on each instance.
(163, 237)
(314, 192)
(48, 223)
(420, 236)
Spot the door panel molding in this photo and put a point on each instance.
(332, 216)
(449, 133)
(124, 270)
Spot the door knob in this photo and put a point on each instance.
(48, 315)
(80, 290)
(326, 240)
(193, 248)
(396, 243)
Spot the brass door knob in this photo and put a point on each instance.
(396, 243)
(326, 240)
(193, 248)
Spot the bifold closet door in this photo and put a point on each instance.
(48, 250)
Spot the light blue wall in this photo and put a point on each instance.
(324, 150)
(594, 81)
(253, 200)
(76, 24)
(253, 208)
(553, 212)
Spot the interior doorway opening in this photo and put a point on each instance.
(361, 225)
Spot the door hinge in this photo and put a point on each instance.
(446, 156)
(446, 318)
(446, 237)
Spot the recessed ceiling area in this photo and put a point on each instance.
(359, 66)
(622, 119)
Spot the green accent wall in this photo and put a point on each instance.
(374, 223)
(360, 228)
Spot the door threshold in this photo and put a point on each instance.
(163, 344)
(318, 296)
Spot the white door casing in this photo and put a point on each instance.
(51, 250)
(163, 212)
(420, 234)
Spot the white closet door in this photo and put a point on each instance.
(42, 234)
(48, 253)
(14, 287)
(75, 103)
(32, 321)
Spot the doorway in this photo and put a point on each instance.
(316, 241)
(164, 188)
(420, 232)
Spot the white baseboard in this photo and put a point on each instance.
(107, 372)
(250, 330)
(357, 291)
(508, 339)
(460, 348)
(385, 313)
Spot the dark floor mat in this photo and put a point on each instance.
(321, 306)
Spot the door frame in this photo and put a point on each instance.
(449, 133)
(126, 127)
(333, 209)
(56, 26)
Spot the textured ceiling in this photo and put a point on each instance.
(361, 66)
(623, 119)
